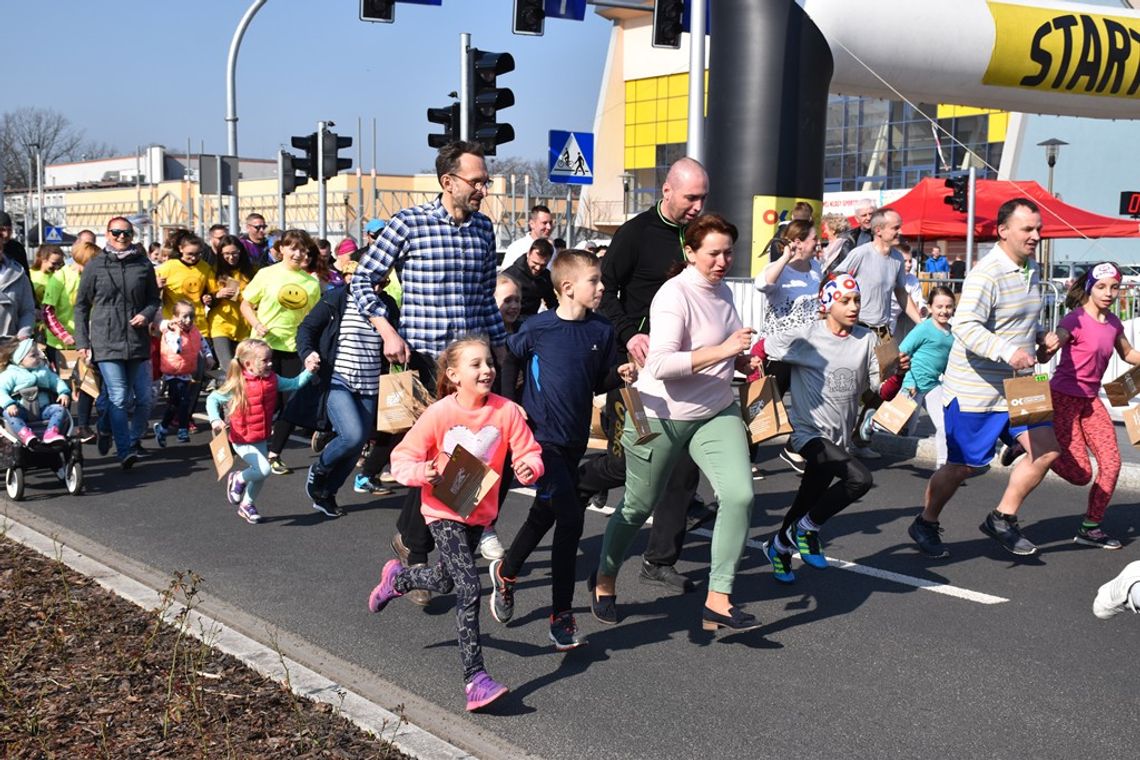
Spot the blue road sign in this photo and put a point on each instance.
(569, 9)
(571, 157)
(53, 234)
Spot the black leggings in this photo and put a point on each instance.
(177, 403)
(557, 504)
(454, 570)
(286, 364)
(818, 497)
(410, 523)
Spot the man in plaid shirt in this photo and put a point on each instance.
(445, 253)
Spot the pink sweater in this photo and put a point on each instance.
(688, 313)
(487, 432)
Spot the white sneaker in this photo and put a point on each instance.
(386, 475)
(1113, 597)
(490, 546)
(863, 452)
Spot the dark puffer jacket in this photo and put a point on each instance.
(111, 292)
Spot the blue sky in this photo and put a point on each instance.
(301, 61)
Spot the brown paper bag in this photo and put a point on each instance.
(465, 482)
(1132, 424)
(68, 359)
(887, 352)
(1121, 390)
(88, 378)
(893, 415)
(403, 398)
(1029, 398)
(763, 409)
(222, 454)
(596, 430)
(635, 413)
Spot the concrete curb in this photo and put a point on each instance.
(301, 680)
(923, 450)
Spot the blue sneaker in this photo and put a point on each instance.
(183, 435)
(781, 562)
(807, 543)
(159, 435)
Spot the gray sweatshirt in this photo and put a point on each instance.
(17, 303)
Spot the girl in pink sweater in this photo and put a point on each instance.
(486, 425)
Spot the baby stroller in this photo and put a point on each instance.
(64, 458)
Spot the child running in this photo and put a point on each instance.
(928, 347)
(1087, 336)
(249, 395)
(833, 362)
(180, 345)
(487, 425)
(571, 355)
(25, 369)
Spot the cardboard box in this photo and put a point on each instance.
(1132, 424)
(893, 415)
(403, 398)
(465, 482)
(635, 413)
(1121, 390)
(764, 413)
(222, 454)
(1029, 398)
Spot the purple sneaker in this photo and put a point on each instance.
(235, 488)
(249, 513)
(482, 690)
(385, 590)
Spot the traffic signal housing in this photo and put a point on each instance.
(528, 18)
(667, 26)
(290, 165)
(449, 118)
(488, 99)
(308, 164)
(332, 145)
(958, 198)
(382, 11)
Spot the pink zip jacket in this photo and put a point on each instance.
(487, 432)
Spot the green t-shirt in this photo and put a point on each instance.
(282, 297)
(59, 293)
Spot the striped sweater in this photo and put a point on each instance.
(997, 314)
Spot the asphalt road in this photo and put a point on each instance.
(1009, 663)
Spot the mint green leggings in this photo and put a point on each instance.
(719, 446)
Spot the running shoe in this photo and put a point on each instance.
(502, 593)
(1009, 454)
(159, 435)
(1006, 532)
(490, 546)
(386, 476)
(364, 484)
(781, 562)
(794, 460)
(385, 590)
(564, 632)
(85, 435)
(928, 537)
(249, 513)
(184, 435)
(1114, 597)
(328, 507)
(1086, 536)
(103, 443)
(277, 467)
(811, 552)
(235, 488)
(482, 690)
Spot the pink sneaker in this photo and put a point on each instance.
(482, 690)
(52, 435)
(27, 437)
(385, 591)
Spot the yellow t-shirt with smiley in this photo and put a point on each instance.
(282, 297)
(189, 284)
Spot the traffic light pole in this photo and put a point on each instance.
(467, 86)
(322, 188)
(281, 187)
(696, 146)
(971, 189)
(231, 104)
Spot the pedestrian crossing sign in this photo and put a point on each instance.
(53, 235)
(571, 157)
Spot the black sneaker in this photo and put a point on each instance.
(794, 460)
(665, 576)
(1010, 454)
(103, 443)
(928, 537)
(138, 450)
(564, 632)
(320, 440)
(1096, 537)
(502, 594)
(327, 506)
(129, 460)
(315, 485)
(597, 502)
(1004, 530)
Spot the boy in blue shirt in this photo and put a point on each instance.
(570, 354)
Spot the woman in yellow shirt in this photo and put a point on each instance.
(48, 259)
(232, 272)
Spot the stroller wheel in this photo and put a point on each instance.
(73, 478)
(14, 483)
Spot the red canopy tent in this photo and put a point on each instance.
(926, 215)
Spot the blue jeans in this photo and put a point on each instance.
(122, 379)
(53, 413)
(353, 417)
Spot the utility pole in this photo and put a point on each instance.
(322, 188)
(696, 146)
(466, 85)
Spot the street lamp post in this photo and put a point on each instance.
(1052, 148)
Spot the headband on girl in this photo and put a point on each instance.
(836, 287)
(22, 350)
(1100, 272)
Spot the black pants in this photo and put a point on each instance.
(177, 403)
(667, 536)
(818, 497)
(381, 452)
(558, 505)
(286, 364)
(411, 523)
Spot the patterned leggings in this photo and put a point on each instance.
(1082, 424)
(454, 570)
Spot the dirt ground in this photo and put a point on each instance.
(84, 673)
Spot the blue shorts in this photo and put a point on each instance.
(971, 437)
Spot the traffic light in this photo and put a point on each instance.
(529, 18)
(449, 118)
(290, 165)
(382, 11)
(308, 164)
(332, 164)
(489, 99)
(667, 25)
(957, 199)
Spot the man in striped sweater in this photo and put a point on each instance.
(996, 333)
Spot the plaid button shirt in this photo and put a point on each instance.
(448, 276)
